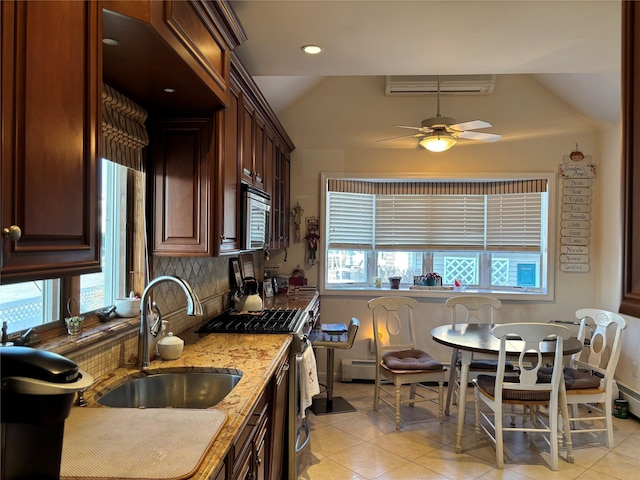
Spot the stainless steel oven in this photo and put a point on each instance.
(299, 322)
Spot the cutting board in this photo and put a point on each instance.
(130, 443)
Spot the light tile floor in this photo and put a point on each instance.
(366, 445)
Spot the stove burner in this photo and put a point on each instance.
(268, 321)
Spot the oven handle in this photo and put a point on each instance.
(304, 426)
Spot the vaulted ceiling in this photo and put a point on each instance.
(571, 47)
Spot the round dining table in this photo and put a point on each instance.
(476, 339)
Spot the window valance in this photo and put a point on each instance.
(123, 129)
(446, 187)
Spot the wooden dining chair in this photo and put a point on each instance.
(397, 358)
(523, 387)
(589, 377)
(470, 309)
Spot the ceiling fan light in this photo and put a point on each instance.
(438, 143)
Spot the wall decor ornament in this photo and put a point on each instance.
(312, 237)
(297, 212)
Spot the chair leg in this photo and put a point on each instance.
(553, 436)
(441, 401)
(574, 415)
(566, 425)
(412, 394)
(398, 385)
(497, 420)
(608, 424)
(452, 378)
(376, 391)
(477, 405)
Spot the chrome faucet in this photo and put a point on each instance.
(145, 343)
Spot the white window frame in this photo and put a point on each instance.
(548, 232)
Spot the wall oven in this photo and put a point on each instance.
(298, 322)
(256, 217)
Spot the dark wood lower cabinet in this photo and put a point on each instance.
(259, 451)
(276, 467)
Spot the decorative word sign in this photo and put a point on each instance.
(577, 173)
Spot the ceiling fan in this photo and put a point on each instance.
(439, 133)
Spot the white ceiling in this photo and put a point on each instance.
(571, 47)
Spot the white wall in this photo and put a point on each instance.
(335, 127)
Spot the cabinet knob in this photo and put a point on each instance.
(13, 232)
(223, 237)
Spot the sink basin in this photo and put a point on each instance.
(172, 390)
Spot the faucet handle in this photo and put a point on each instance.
(157, 314)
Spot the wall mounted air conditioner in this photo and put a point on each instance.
(416, 85)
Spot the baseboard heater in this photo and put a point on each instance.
(355, 370)
(631, 396)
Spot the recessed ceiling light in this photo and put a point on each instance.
(311, 49)
(169, 90)
(112, 42)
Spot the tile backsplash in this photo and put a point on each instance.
(209, 277)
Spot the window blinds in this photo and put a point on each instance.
(514, 222)
(429, 222)
(499, 221)
(351, 221)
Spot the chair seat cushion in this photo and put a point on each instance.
(486, 364)
(573, 379)
(411, 360)
(487, 383)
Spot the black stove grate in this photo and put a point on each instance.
(268, 321)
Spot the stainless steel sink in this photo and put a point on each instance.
(172, 390)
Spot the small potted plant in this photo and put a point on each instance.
(394, 282)
(431, 279)
(74, 325)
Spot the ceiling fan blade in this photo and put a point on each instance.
(417, 135)
(483, 137)
(408, 126)
(472, 125)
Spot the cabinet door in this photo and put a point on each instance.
(261, 448)
(269, 184)
(277, 460)
(247, 112)
(51, 94)
(228, 211)
(280, 201)
(252, 144)
(258, 151)
(182, 165)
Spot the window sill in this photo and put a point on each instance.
(439, 292)
(65, 344)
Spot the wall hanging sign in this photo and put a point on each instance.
(577, 172)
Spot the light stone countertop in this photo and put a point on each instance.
(256, 356)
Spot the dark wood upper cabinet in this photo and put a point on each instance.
(631, 157)
(51, 128)
(182, 168)
(280, 203)
(199, 162)
(265, 150)
(176, 44)
(228, 209)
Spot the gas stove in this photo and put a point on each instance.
(276, 320)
